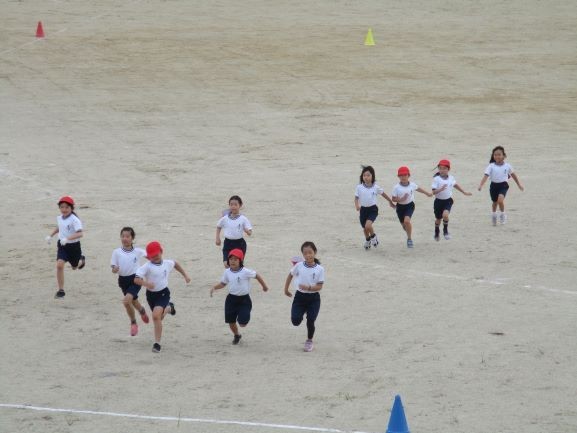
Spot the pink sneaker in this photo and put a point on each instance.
(309, 346)
(133, 329)
(144, 316)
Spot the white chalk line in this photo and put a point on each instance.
(176, 418)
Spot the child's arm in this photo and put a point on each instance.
(218, 236)
(386, 197)
(458, 188)
(51, 235)
(485, 177)
(71, 238)
(422, 191)
(316, 288)
(441, 189)
(248, 231)
(287, 283)
(216, 287)
(357, 205)
(182, 272)
(397, 199)
(516, 179)
(262, 283)
(142, 282)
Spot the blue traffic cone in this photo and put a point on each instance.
(398, 422)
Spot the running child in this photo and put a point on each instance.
(443, 184)
(404, 195)
(499, 172)
(235, 225)
(366, 204)
(310, 277)
(238, 304)
(69, 231)
(125, 262)
(154, 276)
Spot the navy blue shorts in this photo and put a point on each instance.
(231, 244)
(70, 253)
(127, 285)
(497, 189)
(368, 213)
(237, 308)
(440, 206)
(309, 303)
(405, 210)
(158, 299)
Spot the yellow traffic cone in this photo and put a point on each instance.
(369, 41)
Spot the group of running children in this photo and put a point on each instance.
(307, 272)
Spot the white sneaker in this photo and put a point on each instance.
(309, 346)
(503, 218)
(367, 245)
(375, 241)
(494, 219)
(447, 235)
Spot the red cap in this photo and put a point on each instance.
(444, 163)
(66, 199)
(153, 248)
(237, 252)
(402, 171)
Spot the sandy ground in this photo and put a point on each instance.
(152, 113)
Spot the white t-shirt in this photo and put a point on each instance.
(156, 273)
(400, 190)
(128, 261)
(438, 183)
(307, 275)
(499, 173)
(234, 227)
(238, 281)
(68, 226)
(367, 195)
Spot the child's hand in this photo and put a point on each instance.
(393, 205)
(288, 293)
(149, 285)
(304, 287)
(187, 279)
(430, 194)
(521, 187)
(265, 289)
(217, 242)
(480, 188)
(48, 239)
(211, 291)
(468, 193)
(405, 197)
(63, 241)
(357, 207)
(115, 269)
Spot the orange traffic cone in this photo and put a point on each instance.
(39, 30)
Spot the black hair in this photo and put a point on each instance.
(129, 230)
(501, 148)
(311, 245)
(371, 170)
(237, 198)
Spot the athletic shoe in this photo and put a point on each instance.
(375, 241)
(133, 329)
(82, 262)
(236, 339)
(172, 310)
(156, 347)
(503, 218)
(144, 316)
(409, 243)
(494, 220)
(447, 235)
(309, 346)
(60, 294)
(437, 237)
(367, 245)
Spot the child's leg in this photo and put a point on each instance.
(312, 313)
(138, 306)
(445, 221)
(60, 273)
(494, 206)
(127, 301)
(369, 231)
(500, 203)
(233, 328)
(298, 309)
(157, 315)
(408, 226)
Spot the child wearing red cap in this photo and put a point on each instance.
(234, 225)
(69, 231)
(125, 261)
(443, 184)
(154, 276)
(404, 195)
(366, 204)
(310, 277)
(499, 172)
(238, 304)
